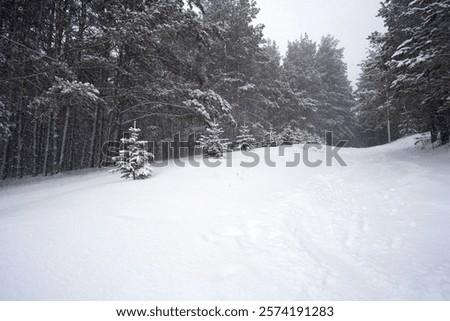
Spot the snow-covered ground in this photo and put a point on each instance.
(378, 229)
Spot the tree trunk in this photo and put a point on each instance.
(20, 129)
(94, 133)
(81, 28)
(19, 169)
(64, 139)
(47, 144)
(72, 144)
(83, 155)
(100, 141)
(4, 169)
(118, 110)
(41, 146)
(55, 144)
(35, 142)
(59, 28)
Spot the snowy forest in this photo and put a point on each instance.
(75, 74)
(405, 78)
(275, 173)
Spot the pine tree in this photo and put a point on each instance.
(335, 98)
(414, 53)
(245, 141)
(134, 159)
(213, 146)
(371, 109)
(234, 56)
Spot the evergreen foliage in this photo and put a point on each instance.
(287, 136)
(271, 138)
(76, 73)
(134, 160)
(318, 93)
(245, 141)
(212, 144)
(406, 75)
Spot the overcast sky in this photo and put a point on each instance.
(350, 21)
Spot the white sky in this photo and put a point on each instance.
(350, 21)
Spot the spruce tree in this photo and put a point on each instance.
(287, 136)
(134, 160)
(372, 108)
(270, 138)
(335, 97)
(305, 137)
(415, 49)
(245, 141)
(213, 146)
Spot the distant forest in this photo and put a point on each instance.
(75, 74)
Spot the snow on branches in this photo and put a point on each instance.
(212, 144)
(134, 160)
(245, 141)
(209, 104)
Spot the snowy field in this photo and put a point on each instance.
(378, 229)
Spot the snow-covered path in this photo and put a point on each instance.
(378, 229)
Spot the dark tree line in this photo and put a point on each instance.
(406, 75)
(75, 74)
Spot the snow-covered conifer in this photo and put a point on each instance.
(271, 138)
(287, 136)
(134, 160)
(302, 136)
(245, 141)
(213, 146)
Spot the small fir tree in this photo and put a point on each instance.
(270, 138)
(134, 160)
(304, 137)
(213, 146)
(245, 141)
(287, 136)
